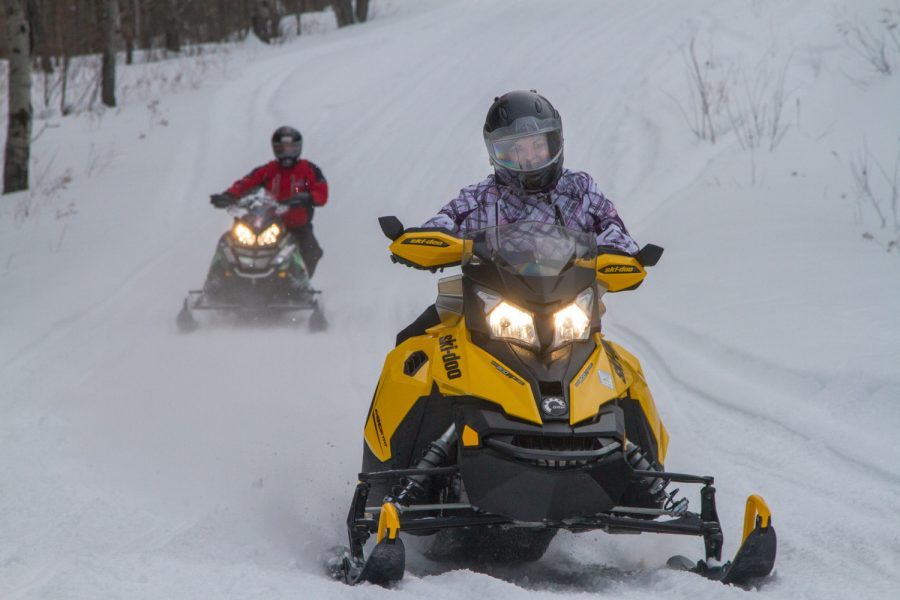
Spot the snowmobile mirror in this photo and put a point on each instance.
(649, 255)
(391, 226)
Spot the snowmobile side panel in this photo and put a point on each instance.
(458, 367)
(467, 370)
(611, 373)
(397, 393)
(639, 390)
(598, 382)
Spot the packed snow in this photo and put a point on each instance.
(137, 462)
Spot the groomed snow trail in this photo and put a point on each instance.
(136, 462)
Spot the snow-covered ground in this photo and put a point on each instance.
(136, 462)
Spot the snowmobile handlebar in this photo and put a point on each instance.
(437, 248)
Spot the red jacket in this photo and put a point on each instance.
(285, 182)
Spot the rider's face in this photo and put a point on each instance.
(531, 152)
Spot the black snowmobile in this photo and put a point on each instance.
(510, 416)
(257, 269)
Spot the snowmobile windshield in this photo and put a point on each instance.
(532, 249)
(528, 144)
(259, 205)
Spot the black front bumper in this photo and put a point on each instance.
(504, 476)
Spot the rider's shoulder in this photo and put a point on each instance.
(480, 189)
(270, 167)
(577, 182)
(572, 177)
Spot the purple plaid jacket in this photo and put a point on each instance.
(575, 203)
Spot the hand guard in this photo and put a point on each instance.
(222, 200)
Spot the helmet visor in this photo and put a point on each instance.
(528, 144)
(286, 149)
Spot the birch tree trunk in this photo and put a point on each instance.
(18, 129)
(108, 72)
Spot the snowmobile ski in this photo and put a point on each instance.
(755, 558)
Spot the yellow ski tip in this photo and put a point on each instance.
(388, 522)
(756, 512)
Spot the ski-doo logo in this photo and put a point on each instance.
(426, 242)
(447, 345)
(507, 372)
(584, 375)
(615, 269)
(554, 406)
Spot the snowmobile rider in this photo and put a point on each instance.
(524, 139)
(287, 178)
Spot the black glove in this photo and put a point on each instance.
(301, 200)
(223, 200)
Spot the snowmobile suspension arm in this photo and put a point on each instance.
(711, 530)
(679, 477)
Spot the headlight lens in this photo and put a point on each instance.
(243, 235)
(508, 322)
(269, 236)
(573, 323)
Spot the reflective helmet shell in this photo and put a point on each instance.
(517, 114)
(287, 143)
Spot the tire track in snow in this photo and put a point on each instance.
(811, 483)
(660, 362)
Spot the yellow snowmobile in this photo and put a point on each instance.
(509, 416)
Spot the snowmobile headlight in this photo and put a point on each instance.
(508, 322)
(269, 236)
(243, 235)
(573, 323)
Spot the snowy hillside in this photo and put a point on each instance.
(140, 463)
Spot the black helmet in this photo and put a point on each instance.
(287, 144)
(523, 135)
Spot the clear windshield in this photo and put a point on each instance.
(259, 204)
(532, 248)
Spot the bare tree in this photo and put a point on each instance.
(18, 129)
(131, 27)
(362, 10)
(108, 72)
(260, 20)
(173, 27)
(343, 12)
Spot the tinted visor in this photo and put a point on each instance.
(286, 149)
(528, 144)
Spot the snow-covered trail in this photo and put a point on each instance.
(137, 462)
